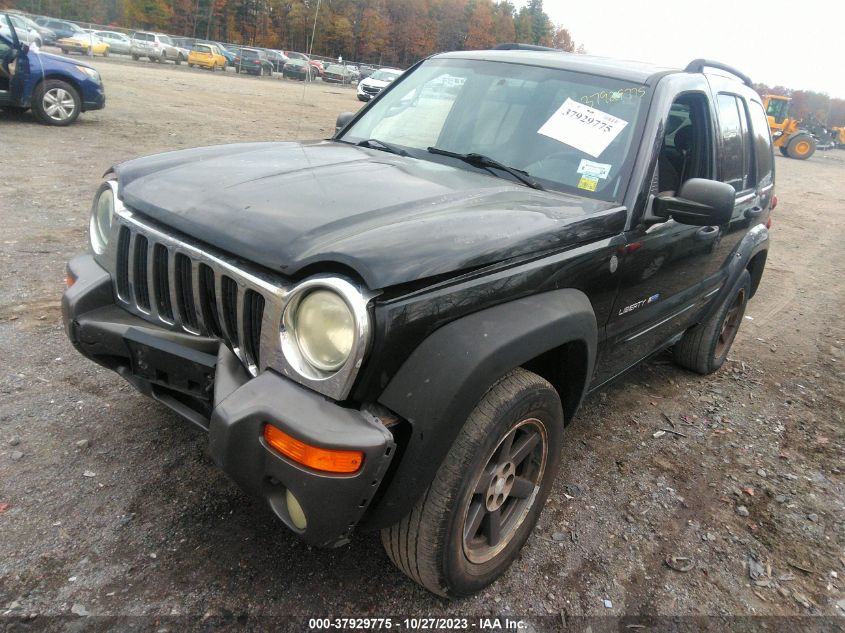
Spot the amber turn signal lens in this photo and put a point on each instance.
(324, 459)
(70, 280)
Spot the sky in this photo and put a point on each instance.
(800, 45)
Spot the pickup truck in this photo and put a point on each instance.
(389, 329)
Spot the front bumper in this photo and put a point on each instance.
(94, 97)
(203, 381)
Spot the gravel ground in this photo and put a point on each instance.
(109, 504)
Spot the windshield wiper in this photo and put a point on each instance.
(374, 143)
(481, 160)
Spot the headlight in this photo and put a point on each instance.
(93, 74)
(325, 333)
(102, 213)
(324, 328)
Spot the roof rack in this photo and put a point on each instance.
(515, 46)
(698, 66)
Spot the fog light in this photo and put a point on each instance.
(295, 512)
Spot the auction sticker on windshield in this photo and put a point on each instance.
(583, 127)
(592, 168)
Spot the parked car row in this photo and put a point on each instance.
(211, 55)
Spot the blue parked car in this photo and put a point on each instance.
(56, 88)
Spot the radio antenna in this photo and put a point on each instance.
(308, 71)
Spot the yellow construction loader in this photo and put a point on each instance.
(787, 133)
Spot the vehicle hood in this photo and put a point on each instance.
(392, 219)
(50, 59)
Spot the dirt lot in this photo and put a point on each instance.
(748, 485)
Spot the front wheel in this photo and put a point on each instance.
(482, 505)
(56, 102)
(704, 347)
(801, 146)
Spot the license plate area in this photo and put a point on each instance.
(172, 365)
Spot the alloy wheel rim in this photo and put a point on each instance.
(504, 491)
(58, 104)
(730, 326)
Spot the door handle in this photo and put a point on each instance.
(707, 233)
(753, 212)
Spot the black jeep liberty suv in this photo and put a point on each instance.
(390, 329)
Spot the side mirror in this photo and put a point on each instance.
(699, 202)
(342, 120)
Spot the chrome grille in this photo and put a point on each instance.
(173, 283)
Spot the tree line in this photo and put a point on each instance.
(394, 32)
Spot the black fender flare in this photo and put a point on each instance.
(444, 378)
(755, 241)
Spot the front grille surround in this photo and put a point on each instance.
(179, 284)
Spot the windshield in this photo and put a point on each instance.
(385, 75)
(569, 131)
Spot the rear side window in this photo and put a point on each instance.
(736, 142)
(762, 145)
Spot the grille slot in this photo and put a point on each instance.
(122, 272)
(253, 314)
(141, 284)
(161, 282)
(185, 292)
(208, 300)
(230, 308)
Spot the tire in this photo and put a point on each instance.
(136, 57)
(429, 545)
(106, 53)
(64, 51)
(56, 102)
(178, 60)
(801, 146)
(704, 347)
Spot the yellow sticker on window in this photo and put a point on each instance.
(588, 183)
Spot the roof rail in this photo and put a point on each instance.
(698, 66)
(515, 46)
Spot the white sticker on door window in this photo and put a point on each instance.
(583, 127)
(594, 169)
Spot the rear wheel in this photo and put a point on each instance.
(106, 53)
(474, 518)
(801, 146)
(704, 347)
(135, 57)
(56, 102)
